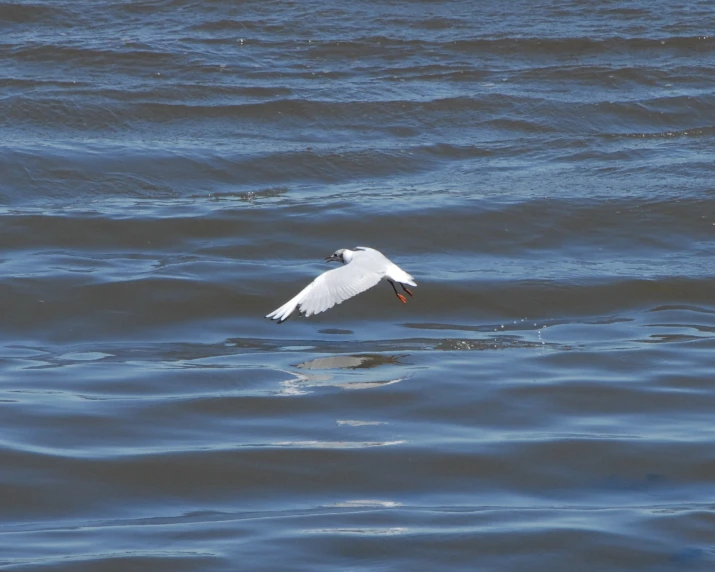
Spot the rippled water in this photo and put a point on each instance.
(172, 171)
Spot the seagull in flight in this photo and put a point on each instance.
(362, 268)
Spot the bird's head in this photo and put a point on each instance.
(338, 256)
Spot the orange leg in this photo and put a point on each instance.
(400, 296)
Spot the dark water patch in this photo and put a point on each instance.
(573, 46)
(30, 13)
(89, 57)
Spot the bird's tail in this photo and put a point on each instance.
(398, 275)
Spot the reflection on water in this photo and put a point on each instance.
(352, 377)
(365, 361)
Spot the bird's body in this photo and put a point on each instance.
(362, 268)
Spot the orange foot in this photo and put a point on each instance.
(402, 298)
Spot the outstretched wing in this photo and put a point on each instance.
(330, 288)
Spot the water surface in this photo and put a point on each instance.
(173, 171)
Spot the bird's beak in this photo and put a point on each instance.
(332, 258)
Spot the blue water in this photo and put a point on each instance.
(171, 172)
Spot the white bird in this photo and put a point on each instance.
(363, 268)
